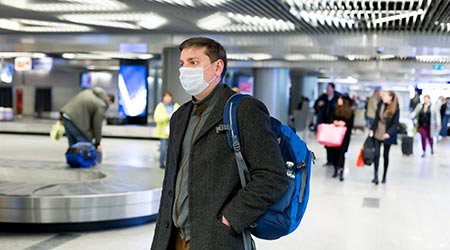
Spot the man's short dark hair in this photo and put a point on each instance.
(214, 50)
(332, 85)
(112, 97)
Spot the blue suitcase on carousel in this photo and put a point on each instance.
(81, 155)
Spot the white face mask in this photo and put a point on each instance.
(192, 80)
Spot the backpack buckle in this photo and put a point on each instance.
(223, 127)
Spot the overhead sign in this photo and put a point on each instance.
(22, 64)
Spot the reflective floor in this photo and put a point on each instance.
(411, 211)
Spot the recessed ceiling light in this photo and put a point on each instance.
(249, 56)
(9, 55)
(230, 22)
(28, 25)
(387, 57)
(433, 59)
(118, 55)
(358, 57)
(295, 57)
(193, 3)
(67, 6)
(400, 16)
(85, 56)
(132, 21)
(322, 57)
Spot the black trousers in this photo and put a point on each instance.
(386, 148)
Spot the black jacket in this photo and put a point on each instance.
(325, 112)
(214, 186)
(391, 124)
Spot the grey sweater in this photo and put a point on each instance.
(86, 110)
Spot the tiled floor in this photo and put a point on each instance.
(411, 211)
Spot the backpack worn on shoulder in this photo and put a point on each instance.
(81, 155)
(284, 216)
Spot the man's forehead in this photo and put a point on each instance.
(193, 52)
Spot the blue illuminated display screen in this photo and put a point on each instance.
(7, 73)
(86, 80)
(133, 90)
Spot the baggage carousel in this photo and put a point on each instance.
(49, 196)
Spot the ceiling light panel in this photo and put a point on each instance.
(85, 56)
(358, 57)
(9, 55)
(295, 57)
(366, 14)
(322, 57)
(66, 5)
(433, 59)
(118, 55)
(27, 25)
(230, 22)
(192, 3)
(249, 56)
(134, 21)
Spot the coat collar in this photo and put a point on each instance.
(216, 114)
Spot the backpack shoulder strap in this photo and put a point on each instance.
(231, 123)
(230, 119)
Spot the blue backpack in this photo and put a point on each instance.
(81, 155)
(284, 216)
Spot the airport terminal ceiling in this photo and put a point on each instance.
(397, 41)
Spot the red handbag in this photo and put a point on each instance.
(330, 135)
(360, 160)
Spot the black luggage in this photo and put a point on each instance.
(407, 145)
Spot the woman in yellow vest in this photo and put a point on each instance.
(162, 115)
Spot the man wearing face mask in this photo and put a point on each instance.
(203, 205)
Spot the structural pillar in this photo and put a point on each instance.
(271, 86)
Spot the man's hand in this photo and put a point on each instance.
(99, 148)
(386, 136)
(225, 221)
(320, 103)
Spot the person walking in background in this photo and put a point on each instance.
(343, 116)
(414, 101)
(162, 115)
(324, 107)
(83, 116)
(372, 104)
(384, 130)
(445, 117)
(429, 122)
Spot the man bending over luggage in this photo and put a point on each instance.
(203, 205)
(83, 115)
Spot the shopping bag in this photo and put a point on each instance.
(330, 135)
(57, 131)
(360, 160)
(368, 154)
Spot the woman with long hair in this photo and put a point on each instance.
(428, 120)
(342, 116)
(384, 130)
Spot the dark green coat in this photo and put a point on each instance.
(215, 189)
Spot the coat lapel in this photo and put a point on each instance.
(216, 114)
(181, 122)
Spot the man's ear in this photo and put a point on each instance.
(219, 67)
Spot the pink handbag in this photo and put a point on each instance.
(330, 135)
